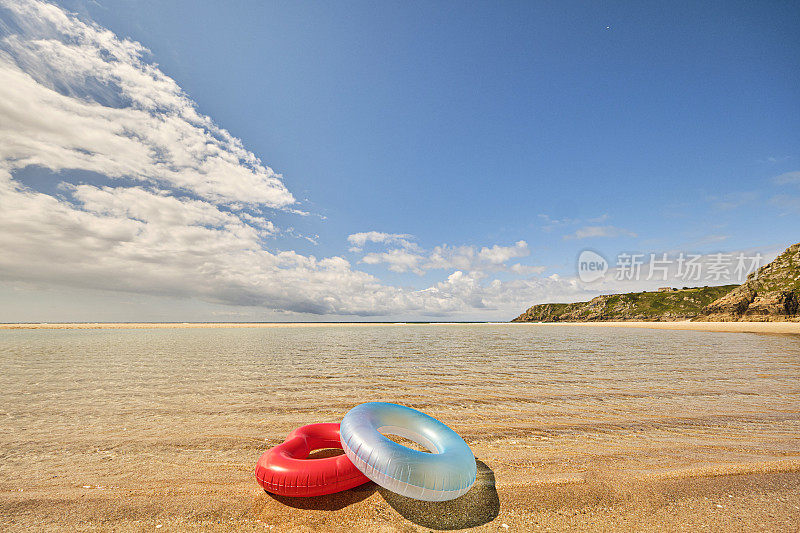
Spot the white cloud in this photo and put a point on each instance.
(451, 257)
(159, 207)
(512, 297)
(447, 257)
(399, 260)
(192, 252)
(181, 214)
(527, 270)
(587, 232)
(498, 255)
(74, 96)
(410, 257)
(358, 240)
(471, 259)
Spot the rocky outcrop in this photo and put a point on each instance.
(734, 303)
(770, 293)
(774, 303)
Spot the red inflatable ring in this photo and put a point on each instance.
(285, 469)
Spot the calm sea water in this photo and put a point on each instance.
(126, 408)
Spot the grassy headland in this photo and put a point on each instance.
(771, 293)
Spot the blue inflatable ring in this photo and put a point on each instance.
(444, 474)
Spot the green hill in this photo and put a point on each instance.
(681, 304)
(770, 293)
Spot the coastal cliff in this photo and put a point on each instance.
(681, 304)
(772, 293)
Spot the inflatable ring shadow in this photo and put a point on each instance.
(328, 502)
(480, 505)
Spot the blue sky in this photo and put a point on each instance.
(571, 125)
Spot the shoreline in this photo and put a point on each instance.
(723, 327)
(729, 327)
(191, 325)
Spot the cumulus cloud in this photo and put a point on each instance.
(398, 260)
(358, 240)
(511, 296)
(471, 258)
(180, 210)
(74, 96)
(157, 207)
(527, 270)
(409, 257)
(498, 255)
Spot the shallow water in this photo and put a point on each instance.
(175, 407)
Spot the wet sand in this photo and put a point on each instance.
(745, 502)
(573, 428)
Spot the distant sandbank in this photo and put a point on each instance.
(185, 325)
(731, 327)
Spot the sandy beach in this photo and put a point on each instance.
(766, 501)
(729, 327)
(573, 428)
